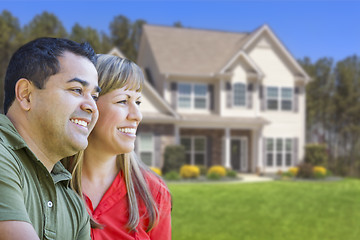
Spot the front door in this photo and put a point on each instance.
(238, 149)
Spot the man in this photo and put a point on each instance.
(50, 90)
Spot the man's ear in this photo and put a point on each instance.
(23, 90)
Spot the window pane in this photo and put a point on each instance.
(200, 103)
(200, 90)
(199, 159)
(286, 93)
(272, 104)
(184, 102)
(270, 144)
(288, 159)
(184, 89)
(272, 92)
(186, 142)
(199, 144)
(239, 94)
(188, 158)
(288, 145)
(279, 159)
(146, 157)
(146, 142)
(286, 104)
(269, 159)
(279, 145)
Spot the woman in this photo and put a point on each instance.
(124, 198)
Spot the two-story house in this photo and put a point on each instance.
(234, 99)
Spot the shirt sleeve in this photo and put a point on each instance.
(162, 231)
(12, 206)
(84, 233)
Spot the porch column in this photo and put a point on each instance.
(227, 148)
(260, 151)
(177, 134)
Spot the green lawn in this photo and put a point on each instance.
(263, 211)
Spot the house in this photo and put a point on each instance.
(232, 99)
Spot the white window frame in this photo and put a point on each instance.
(193, 96)
(283, 152)
(279, 99)
(152, 151)
(235, 96)
(192, 150)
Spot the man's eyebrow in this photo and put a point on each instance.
(84, 83)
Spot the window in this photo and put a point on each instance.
(279, 149)
(193, 96)
(239, 94)
(195, 148)
(285, 98)
(146, 148)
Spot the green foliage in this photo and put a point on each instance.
(231, 173)
(88, 34)
(305, 170)
(213, 176)
(203, 169)
(174, 158)
(316, 154)
(172, 175)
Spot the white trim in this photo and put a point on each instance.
(245, 96)
(279, 99)
(283, 151)
(193, 96)
(152, 151)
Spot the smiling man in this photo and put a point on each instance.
(51, 86)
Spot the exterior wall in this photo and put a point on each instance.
(163, 135)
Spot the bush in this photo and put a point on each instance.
(319, 172)
(294, 171)
(217, 169)
(213, 176)
(203, 169)
(316, 154)
(174, 158)
(189, 171)
(231, 173)
(305, 170)
(156, 170)
(172, 175)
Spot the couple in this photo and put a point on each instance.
(52, 102)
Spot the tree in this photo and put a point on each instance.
(44, 25)
(178, 24)
(11, 39)
(88, 34)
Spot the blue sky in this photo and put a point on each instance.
(307, 28)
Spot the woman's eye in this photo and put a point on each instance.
(121, 102)
(95, 97)
(138, 102)
(77, 90)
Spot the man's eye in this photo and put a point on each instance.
(122, 102)
(77, 90)
(138, 102)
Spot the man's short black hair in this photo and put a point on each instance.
(38, 60)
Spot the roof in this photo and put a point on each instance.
(192, 51)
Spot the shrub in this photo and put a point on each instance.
(319, 171)
(305, 170)
(294, 171)
(203, 169)
(316, 154)
(189, 171)
(217, 169)
(156, 170)
(231, 173)
(174, 158)
(213, 176)
(172, 175)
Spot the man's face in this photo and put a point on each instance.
(64, 112)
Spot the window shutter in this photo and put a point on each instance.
(262, 98)
(173, 88)
(264, 153)
(295, 151)
(249, 95)
(211, 96)
(228, 95)
(208, 159)
(157, 151)
(296, 99)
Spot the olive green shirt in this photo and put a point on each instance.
(29, 193)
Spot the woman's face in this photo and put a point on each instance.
(119, 117)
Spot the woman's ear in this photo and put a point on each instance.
(23, 89)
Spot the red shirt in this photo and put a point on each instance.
(112, 213)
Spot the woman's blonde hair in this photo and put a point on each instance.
(115, 72)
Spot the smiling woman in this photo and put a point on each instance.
(125, 199)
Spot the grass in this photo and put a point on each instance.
(265, 211)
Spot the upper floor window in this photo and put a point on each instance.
(193, 96)
(239, 94)
(279, 98)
